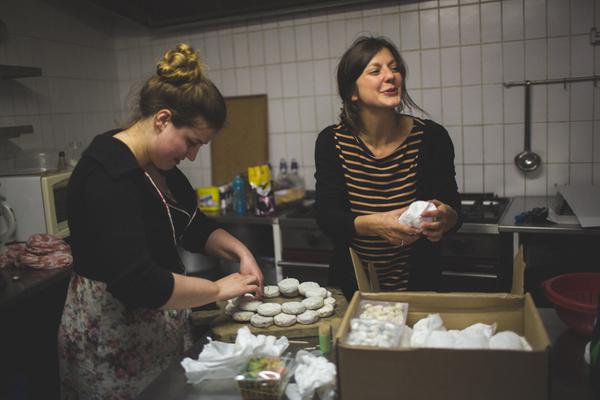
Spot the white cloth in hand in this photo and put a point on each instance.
(412, 216)
(219, 360)
(313, 374)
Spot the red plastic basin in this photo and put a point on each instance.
(575, 299)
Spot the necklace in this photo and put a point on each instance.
(165, 204)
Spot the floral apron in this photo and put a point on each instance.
(108, 351)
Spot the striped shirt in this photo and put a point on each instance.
(379, 185)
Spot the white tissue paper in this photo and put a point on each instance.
(423, 328)
(219, 360)
(314, 374)
(412, 216)
(508, 340)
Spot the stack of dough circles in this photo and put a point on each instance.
(289, 287)
(269, 309)
(313, 303)
(284, 319)
(306, 285)
(260, 321)
(242, 316)
(293, 307)
(316, 292)
(317, 303)
(271, 291)
(308, 317)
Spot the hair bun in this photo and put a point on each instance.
(181, 65)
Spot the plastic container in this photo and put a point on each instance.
(239, 195)
(265, 378)
(575, 299)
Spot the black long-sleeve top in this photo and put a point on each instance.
(121, 232)
(435, 180)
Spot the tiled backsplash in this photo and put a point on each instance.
(458, 52)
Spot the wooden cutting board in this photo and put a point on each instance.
(225, 329)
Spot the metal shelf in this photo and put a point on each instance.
(10, 132)
(16, 71)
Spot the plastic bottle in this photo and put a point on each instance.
(295, 176)
(239, 195)
(61, 165)
(282, 180)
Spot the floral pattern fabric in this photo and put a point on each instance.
(109, 351)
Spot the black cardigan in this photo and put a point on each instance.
(120, 229)
(435, 180)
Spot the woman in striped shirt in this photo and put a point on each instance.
(373, 164)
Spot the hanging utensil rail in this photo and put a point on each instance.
(564, 81)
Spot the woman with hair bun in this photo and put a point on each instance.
(373, 164)
(126, 314)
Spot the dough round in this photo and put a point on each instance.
(325, 311)
(284, 319)
(242, 316)
(261, 322)
(308, 317)
(271, 291)
(251, 305)
(306, 285)
(293, 307)
(230, 308)
(269, 309)
(313, 303)
(316, 292)
(329, 300)
(288, 287)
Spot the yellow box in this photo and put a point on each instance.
(208, 198)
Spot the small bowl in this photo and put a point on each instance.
(575, 299)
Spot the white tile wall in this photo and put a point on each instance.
(458, 54)
(78, 95)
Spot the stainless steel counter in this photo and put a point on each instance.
(523, 204)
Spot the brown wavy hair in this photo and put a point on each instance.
(181, 86)
(352, 64)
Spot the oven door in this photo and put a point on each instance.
(475, 262)
(305, 254)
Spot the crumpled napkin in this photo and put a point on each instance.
(313, 374)
(412, 216)
(220, 360)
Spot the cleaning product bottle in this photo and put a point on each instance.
(239, 195)
(282, 180)
(295, 176)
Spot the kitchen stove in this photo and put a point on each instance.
(476, 258)
(482, 208)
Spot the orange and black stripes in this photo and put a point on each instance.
(379, 185)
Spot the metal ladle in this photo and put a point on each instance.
(527, 160)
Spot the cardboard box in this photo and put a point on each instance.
(369, 373)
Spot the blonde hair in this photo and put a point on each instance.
(181, 86)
